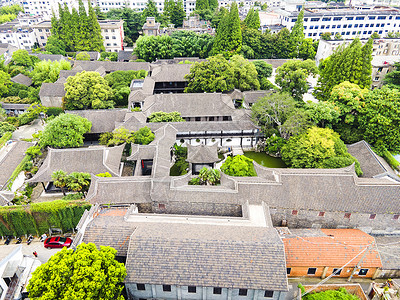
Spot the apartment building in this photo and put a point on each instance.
(111, 30)
(350, 22)
(16, 35)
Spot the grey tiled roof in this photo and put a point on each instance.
(207, 255)
(67, 73)
(94, 55)
(390, 257)
(253, 96)
(202, 154)
(171, 72)
(52, 90)
(22, 79)
(111, 66)
(6, 197)
(103, 120)
(94, 160)
(125, 55)
(190, 105)
(51, 57)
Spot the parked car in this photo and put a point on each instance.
(57, 242)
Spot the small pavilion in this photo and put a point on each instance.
(202, 156)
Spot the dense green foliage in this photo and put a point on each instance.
(65, 130)
(341, 294)
(133, 22)
(180, 159)
(86, 273)
(78, 30)
(87, 90)
(48, 71)
(252, 19)
(393, 78)
(9, 13)
(4, 82)
(206, 177)
(38, 218)
(4, 138)
(76, 181)
(318, 148)
(82, 56)
(351, 63)
(165, 117)
(121, 135)
(6, 127)
(238, 165)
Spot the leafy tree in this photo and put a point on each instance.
(393, 78)
(297, 35)
(239, 165)
(274, 144)
(213, 4)
(264, 70)
(326, 36)
(252, 19)
(218, 15)
(143, 136)
(165, 117)
(48, 71)
(79, 182)
(178, 14)
(82, 56)
(87, 90)
(318, 148)
(105, 138)
(150, 10)
(292, 77)
(380, 118)
(65, 130)
(307, 49)
(323, 114)
(55, 45)
(273, 111)
(338, 36)
(108, 56)
(202, 4)
(120, 136)
(190, 44)
(295, 124)
(70, 274)
(133, 22)
(4, 82)
(206, 177)
(23, 59)
(150, 48)
(6, 127)
(228, 40)
(60, 180)
(215, 74)
(245, 74)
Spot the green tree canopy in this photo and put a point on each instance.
(4, 82)
(187, 43)
(322, 114)
(292, 77)
(82, 56)
(150, 48)
(150, 10)
(70, 274)
(393, 78)
(297, 35)
(238, 165)
(65, 130)
(318, 148)
(143, 136)
(252, 19)
(165, 117)
(133, 22)
(55, 45)
(48, 71)
(245, 74)
(87, 90)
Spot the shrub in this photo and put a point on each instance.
(239, 165)
(54, 111)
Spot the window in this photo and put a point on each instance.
(288, 270)
(360, 18)
(356, 25)
(326, 19)
(350, 18)
(311, 271)
(336, 272)
(363, 272)
(268, 294)
(294, 212)
(396, 217)
(217, 291)
(337, 18)
(191, 289)
(166, 288)
(339, 26)
(347, 215)
(242, 292)
(311, 27)
(372, 216)
(381, 17)
(161, 206)
(321, 214)
(345, 26)
(140, 287)
(371, 18)
(316, 27)
(314, 19)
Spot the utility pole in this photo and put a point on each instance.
(359, 263)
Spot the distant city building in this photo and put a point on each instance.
(111, 30)
(14, 34)
(151, 27)
(350, 22)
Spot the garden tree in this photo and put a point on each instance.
(60, 180)
(108, 56)
(326, 36)
(392, 79)
(48, 71)
(264, 71)
(150, 11)
(228, 40)
(307, 49)
(375, 35)
(168, 8)
(295, 124)
(143, 136)
(150, 48)
(87, 90)
(4, 82)
(82, 56)
(190, 44)
(218, 15)
(165, 117)
(342, 293)
(99, 14)
(6, 127)
(322, 114)
(281, 44)
(202, 5)
(213, 4)
(120, 136)
(33, 152)
(23, 59)
(238, 165)
(132, 22)
(292, 77)
(95, 36)
(351, 63)
(253, 43)
(252, 19)
(318, 148)
(272, 111)
(178, 14)
(274, 144)
(86, 273)
(244, 74)
(338, 36)
(64, 131)
(215, 74)
(206, 177)
(55, 46)
(380, 118)
(119, 81)
(79, 182)
(297, 35)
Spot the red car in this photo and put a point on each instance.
(57, 242)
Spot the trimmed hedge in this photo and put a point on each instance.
(38, 218)
(5, 138)
(390, 159)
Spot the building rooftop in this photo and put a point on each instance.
(347, 11)
(202, 154)
(22, 79)
(170, 72)
(389, 250)
(111, 66)
(52, 90)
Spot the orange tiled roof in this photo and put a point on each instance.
(335, 249)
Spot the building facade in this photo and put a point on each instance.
(350, 22)
(14, 34)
